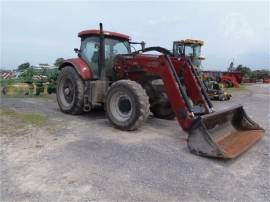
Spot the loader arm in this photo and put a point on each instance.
(179, 94)
(225, 134)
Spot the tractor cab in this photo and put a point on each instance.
(98, 50)
(189, 48)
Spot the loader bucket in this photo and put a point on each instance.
(225, 134)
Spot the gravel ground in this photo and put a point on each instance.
(84, 158)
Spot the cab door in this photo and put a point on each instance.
(113, 47)
(89, 52)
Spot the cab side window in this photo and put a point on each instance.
(113, 47)
(90, 53)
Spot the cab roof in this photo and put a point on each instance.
(190, 41)
(95, 32)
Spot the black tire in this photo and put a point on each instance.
(227, 84)
(222, 98)
(163, 111)
(159, 103)
(127, 105)
(70, 91)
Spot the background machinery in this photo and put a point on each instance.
(126, 83)
(29, 82)
(191, 49)
(216, 91)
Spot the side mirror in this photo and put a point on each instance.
(76, 50)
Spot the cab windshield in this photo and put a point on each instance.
(192, 50)
(197, 51)
(114, 47)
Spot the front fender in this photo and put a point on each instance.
(80, 66)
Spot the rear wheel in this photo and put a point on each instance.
(227, 84)
(162, 109)
(126, 105)
(69, 91)
(160, 105)
(163, 112)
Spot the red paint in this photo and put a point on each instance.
(96, 32)
(133, 67)
(237, 75)
(125, 67)
(80, 66)
(234, 77)
(192, 87)
(266, 80)
(231, 79)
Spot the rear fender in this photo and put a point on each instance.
(80, 66)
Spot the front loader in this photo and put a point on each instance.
(131, 84)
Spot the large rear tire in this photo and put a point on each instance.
(162, 109)
(127, 104)
(70, 91)
(159, 102)
(163, 112)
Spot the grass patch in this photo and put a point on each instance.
(32, 118)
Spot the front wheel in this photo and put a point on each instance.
(126, 105)
(69, 91)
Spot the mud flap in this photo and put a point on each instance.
(225, 134)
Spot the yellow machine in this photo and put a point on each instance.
(191, 48)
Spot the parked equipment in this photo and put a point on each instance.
(189, 48)
(228, 79)
(126, 83)
(216, 91)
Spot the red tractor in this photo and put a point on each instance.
(131, 84)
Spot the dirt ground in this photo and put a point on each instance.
(50, 156)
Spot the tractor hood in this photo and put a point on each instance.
(138, 62)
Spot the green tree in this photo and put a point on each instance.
(260, 74)
(58, 61)
(246, 71)
(231, 67)
(27, 75)
(23, 66)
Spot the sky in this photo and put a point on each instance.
(42, 31)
